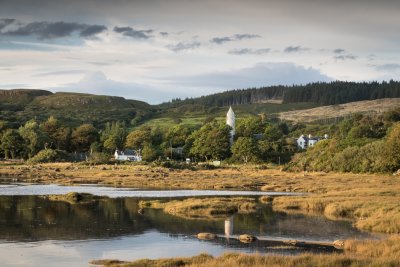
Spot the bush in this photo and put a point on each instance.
(49, 155)
(99, 158)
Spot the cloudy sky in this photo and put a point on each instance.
(156, 50)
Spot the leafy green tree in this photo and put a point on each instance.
(34, 138)
(150, 152)
(178, 135)
(247, 127)
(245, 149)
(392, 145)
(272, 133)
(114, 135)
(59, 135)
(83, 136)
(11, 143)
(138, 138)
(211, 142)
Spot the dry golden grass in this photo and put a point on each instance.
(356, 253)
(205, 208)
(334, 111)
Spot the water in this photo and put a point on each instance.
(39, 189)
(37, 232)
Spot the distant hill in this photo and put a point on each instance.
(20, 105)
(339, 111)
(321, 94)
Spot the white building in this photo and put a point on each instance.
(230, 120)
(303, 141)
(127, 155)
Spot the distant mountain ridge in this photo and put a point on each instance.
(321, 93)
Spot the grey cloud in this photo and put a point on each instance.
(183, 46)
(262, 74)
(56, 73)
(52, 30)
(246, 36)
(249, 51)
(136, 34)
(236, 37)
(295, 49)
(345, 57)
(164, 33)
(388, 67)
(221, 40)
(339, 51)
(5, 22)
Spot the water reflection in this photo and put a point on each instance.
(228, 227)
(35, 231)
(33, 218)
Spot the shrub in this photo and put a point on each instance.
(49, 155)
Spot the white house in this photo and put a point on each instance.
(303, 141)
(127, 155)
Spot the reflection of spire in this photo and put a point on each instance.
(229, 227)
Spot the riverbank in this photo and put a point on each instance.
(369, 200)
(356, 253)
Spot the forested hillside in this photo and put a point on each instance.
(319, 93)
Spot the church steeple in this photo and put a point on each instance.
(230, 120)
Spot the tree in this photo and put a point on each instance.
(59, 135)
(272, 133)
(83, 136)
(11, 143)
(211, 141)
(249, 126)
(138, 138)
(245, 148)
(114, 135)
(150, 152)
(34, 138)
(392, 145)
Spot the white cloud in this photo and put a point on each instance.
(98, 83)
(261, 74)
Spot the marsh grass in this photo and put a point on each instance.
(356, 254)
(204, 208)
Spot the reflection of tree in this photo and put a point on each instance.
(35, 218)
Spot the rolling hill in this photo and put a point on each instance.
(20, 105)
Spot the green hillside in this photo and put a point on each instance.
(18, 106)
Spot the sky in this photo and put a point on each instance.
(157, 50)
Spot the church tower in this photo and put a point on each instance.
(230, 120)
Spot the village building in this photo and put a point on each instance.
(127, 155)
(304, 142)
(231, 121)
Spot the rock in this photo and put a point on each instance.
(206, 236)
(338, 243)
(290, 242)
(247, 238)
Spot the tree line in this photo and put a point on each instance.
(321, 93)
(360, 143)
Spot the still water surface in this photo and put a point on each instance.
(37, 232)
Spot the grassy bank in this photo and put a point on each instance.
(356, 253)
(208, 208)
(370, 200)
